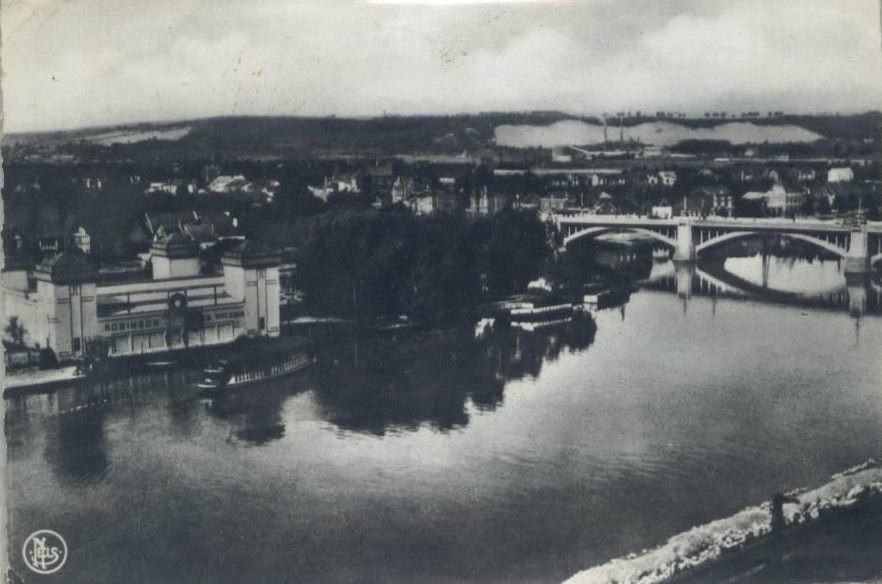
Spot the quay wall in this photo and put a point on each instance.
(709, 542)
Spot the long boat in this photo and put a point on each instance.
(229, 374)
(528, 311)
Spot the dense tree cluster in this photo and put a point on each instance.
(363, 262)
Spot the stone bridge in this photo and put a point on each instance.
(859, 245)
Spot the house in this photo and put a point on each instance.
(566, 181)
(605, 205)
(531, 201)
(164, 224)
(652, 179)
(204, 229)
(663, 210)
(608, 180)
(421, 203)
(82, 240)
(169, 187)
(704, 201)
(489, 203)
(44, 231)
(802, 174)
(380, 176)
(343, 182)
(429, 201)
(224, 184)
(840, 175)
(320, 192)
(93, 181)
(553, 202)
(447, 183)
(258, 191)
(780, 201)
(560, 155)
(667, 178)
(406, 187)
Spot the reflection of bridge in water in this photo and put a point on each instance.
(710, 279)
(859, 247)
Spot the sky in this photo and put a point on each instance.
(77, 63)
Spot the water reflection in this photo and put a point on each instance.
(76, 450)
(819, 284)
(587, 454)
(255, 417)
(377, 384)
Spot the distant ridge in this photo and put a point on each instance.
(453, 135)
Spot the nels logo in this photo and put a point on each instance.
(44, 551)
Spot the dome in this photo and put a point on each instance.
(65, 268)
(176, 245)
(252, 254)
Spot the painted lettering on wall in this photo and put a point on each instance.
(218, 316)
(133, 325)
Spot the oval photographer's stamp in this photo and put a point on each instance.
(44, 551)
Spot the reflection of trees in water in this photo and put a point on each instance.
(587, 261)
(21, 434)
(79, 453)
(374, 384)
(255, 412)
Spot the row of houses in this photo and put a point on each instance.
(53, 231)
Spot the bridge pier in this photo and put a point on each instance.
(685, 250)
(857, 295)
(684, 272)
(857, 260)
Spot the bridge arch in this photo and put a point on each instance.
(592, 231)
(800, 236)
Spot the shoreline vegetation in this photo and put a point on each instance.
(724, 539)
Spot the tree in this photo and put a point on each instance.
(15, 330)
(515, 249)
(808, 206)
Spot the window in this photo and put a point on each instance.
(75, 290)
(261, 273)
(76, 345)
(261, 323)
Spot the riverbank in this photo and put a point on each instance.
(842, 547)
(741, 546)
(39, 378)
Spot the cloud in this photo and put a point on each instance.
(96, 62)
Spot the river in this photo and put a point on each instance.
(467, 454)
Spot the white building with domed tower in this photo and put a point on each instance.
(61, 305)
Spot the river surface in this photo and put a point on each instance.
(470, 454)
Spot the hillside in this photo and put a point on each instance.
(278, 137)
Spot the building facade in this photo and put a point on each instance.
(62, 306)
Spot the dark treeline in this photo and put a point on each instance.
(365, 262)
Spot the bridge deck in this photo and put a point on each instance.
(778, 225)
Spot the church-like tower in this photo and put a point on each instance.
(251, 274)
(66, 287)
